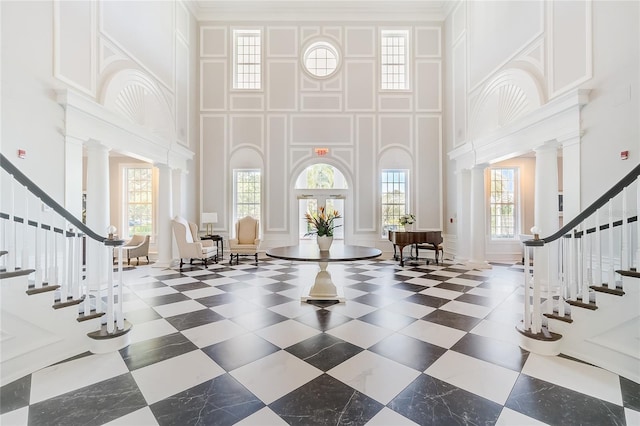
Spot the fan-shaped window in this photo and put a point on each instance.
(321, 59)
(321, 176)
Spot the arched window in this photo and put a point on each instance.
(321, 176)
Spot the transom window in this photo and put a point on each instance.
(394, 199)
(503, 203)
(321, 176)
(321, 59)
(247, 59)
(247, 190)
(394, 59)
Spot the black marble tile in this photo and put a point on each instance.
(362, 286)
(278, 287)
(472, 277)
(221, 401)
(190, 286)
(230, 287)
(141, 354)
(630, 394)
(454, 287)
(323, 319)
(284, 278)
(372, 300)
(453, 320)
(326, 401)
(142, 315)
(169, 276)
(494, 351)
(271, 300)
(146, 286)
(555, 405)
(15, 394)
(218, 299)
(410, 287)
(387, 319)
(426, 300)
(210, 276)
(165, 299)
(194, 319)
(408, 351)
(324, 351)
(238, 351)
(243, 277)
(94, 404)
(429, 401)
(260, 318)
(477, 300)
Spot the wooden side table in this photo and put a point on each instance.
(219, 242)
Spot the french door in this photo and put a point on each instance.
(311, 201)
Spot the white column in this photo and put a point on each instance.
(477, 222)
(463, 199)
(73, 175)
(546, 205)
(97, 209)
(571, 177)
(165, 232)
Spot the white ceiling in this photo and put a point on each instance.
(321, 10)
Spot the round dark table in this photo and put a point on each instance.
(323, 287)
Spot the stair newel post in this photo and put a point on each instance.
(37, 247)
(561, 283)
(528, 282)
(580, 265)
(598, 251)
(624, 253)
(612, 270)
(536, 321)
(110, 319)
(551, 282)
(119, 307)
(24, 264)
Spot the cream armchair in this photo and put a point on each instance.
(137, 246)
(189, 245)
(246, 240)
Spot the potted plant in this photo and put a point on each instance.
(322, 224)
(407, 220)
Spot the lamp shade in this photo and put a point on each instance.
(209, 218)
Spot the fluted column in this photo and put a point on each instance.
(463, 198)
(165, 203)
(477, 223)
(97, 209)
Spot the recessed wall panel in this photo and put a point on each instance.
(570, 43)
(459, 83)
(212, 143)
(213, 92)
(360, 42)
(247, 102)
(428, 169)
(276, 190)
(247, 130)
(395, 130)
(213, 41)
(427, 42)
(395, 103)
(182, 91)
(365, 173)
(327, 129)
(321, 102)
(282, 77)
(360, 85)
(75, 61)
(428, 86)
(282, 42)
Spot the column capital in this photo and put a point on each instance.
(547, 146)
(95, 145)
(573, 138)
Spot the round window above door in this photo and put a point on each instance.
(321, 59)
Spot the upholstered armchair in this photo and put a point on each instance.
(189, 245)
(137, 246)
(246, 240)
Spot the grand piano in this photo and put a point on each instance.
(402, 239)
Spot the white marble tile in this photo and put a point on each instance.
(378, 377)
(287, 333)
(464, 308)
(445, 273)
(382, 281)
(505, 332)
(16, 417)
(393, 293)
(413, 310)
(577, 376)
(215, 332)
(134, 305)
(234, 272)
(480, 377)
(251, 293)
(632, 417)
(178, 281)
(423, 281)
(263, 417)
(293, 293)
(388, 417)
(151, 329)
(442, 293)
(165, 378)
(202, 292)
(272, 272)
(351, 309)
(409, 273)
(141, 417)
(177, 308)
(293, 309)
(509, 417)
(78, 373)
(220, 281)
(352, 293)
(464, 281)
(433, 333)
(261, 281)
(275, 375)
(154, 292)
(235, 309)
(359, 333)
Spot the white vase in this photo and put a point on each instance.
(408, 227)
(324, 242)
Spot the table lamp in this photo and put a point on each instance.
(209, 219)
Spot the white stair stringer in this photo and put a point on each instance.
(608, 337)
(34, 334)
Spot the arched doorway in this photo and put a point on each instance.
(320, 185)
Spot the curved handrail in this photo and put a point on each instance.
(38, 192)
(604, 199)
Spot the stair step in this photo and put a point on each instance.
(591, 306)
(3, 252)
(16, 273)
(543, 335)
(630, 273)
(69, 302)
(90, 316)
(103, 334)
(564, 318)
(43, 289)
(604, 288)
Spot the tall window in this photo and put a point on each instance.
(394, 60)
(247, 59)
(139, 200)
(394, 198)
(503, 203)
(247, 193)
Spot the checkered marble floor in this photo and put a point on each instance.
(423, 344)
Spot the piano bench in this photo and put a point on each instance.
(439, 250)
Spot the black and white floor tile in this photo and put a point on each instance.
(425, 344)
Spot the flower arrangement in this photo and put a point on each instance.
(322, 223)
(407, 219)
